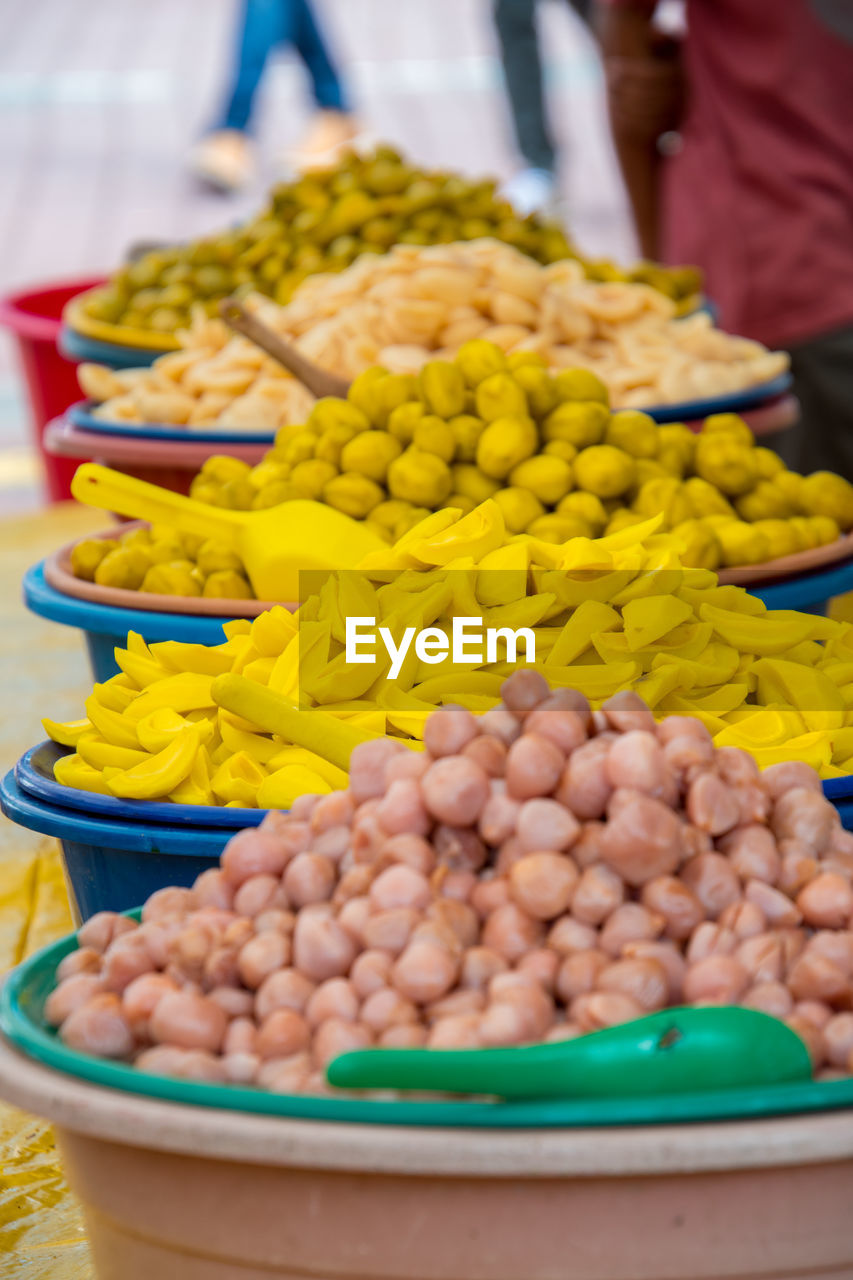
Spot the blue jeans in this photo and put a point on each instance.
(266, 24)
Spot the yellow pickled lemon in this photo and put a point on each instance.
(88, 554)
(225, 584)
(580, 422)
(213, 556)
(824, 493)
(403, 420)
(537, 384)
(470, 480)
(201, 491)
(676, 435)
(362, 394)
(274, 494)
(420, 478)
(500, 396)
(730, 424)
(672, 461)
(765, 502)
(387, 514)
(705, 500)
(301, 447)
(237, 495)
(741, 544)
(175, 579)
(826, 528)
(768, 462)
(165, 549)
(548, 479)
(790, 483)
(519, 507)
(587, 506)
(408, 521)
(268, 471)
(634, 432)
(581, 384)
(604, 470)
(802, 526)
(656, 495)
(433, 435)
(699, 545)
(221, 468)
(782, 539)
(558, 529)
(650, 469)
(723, 461)
(391, 393)
(676, 444)
(460, 503)
(125, 567)
(135, 538)
(526, 360)
(622, 518)
(504, 443)
(561, 449)
(313, 475)
(466, 431)
(331, 444)
(370, 453)
(478, 360)
(442, 388)
(353, 494)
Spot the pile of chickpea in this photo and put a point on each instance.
(534, 874)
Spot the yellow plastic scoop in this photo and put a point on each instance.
(274, 544)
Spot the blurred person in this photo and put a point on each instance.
(758, 188)
(533, 188)
(224, 158)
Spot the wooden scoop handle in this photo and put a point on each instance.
(317, 380)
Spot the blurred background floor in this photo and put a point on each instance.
(100, 100)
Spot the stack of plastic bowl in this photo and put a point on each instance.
(33, 316)
(348, 1186)
(116, 852)
(166, 455)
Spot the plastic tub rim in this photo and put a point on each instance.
(71, 826)
(52, 793)
(21, 1006)
(37, 328)
(392, 1150)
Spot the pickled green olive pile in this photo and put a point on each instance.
(323, 222)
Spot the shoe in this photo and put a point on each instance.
(531, 191)
(223, 160)
(330, 133)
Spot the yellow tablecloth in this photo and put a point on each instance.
(43, 671)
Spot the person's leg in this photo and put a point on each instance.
(309, 44)
(822, 370)
(515, 22)
(264, 25)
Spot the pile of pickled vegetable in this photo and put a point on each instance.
(533, 874)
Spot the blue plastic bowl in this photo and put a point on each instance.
(105, 627)
(81, 416)
(78, 347)
(34, 776)
(733, 402)
(809, 592)
(115, 865)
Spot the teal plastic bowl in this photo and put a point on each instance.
(22, 1021)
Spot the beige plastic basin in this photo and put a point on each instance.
(181, 1193)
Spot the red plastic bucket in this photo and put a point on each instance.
(34, 316)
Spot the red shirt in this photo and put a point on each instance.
(761, 193)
